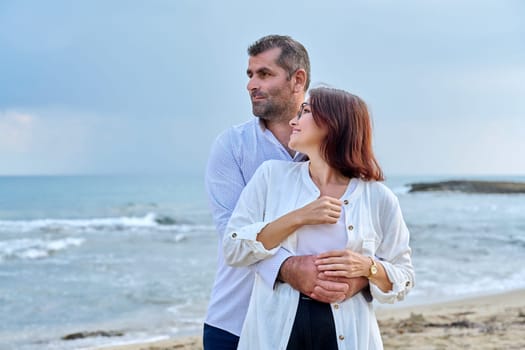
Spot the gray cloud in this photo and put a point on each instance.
(149, 85)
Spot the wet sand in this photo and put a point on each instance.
(487, 322)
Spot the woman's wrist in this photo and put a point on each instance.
(372, 268)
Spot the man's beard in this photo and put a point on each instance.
(266, 111)
(271, 111)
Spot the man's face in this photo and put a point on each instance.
(270, 90)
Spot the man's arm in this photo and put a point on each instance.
(225, 181)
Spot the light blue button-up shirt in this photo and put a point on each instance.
(234, 157)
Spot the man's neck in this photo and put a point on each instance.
(281, 130)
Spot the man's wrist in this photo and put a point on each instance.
(281, 276)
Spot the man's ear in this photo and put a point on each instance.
(299, 78)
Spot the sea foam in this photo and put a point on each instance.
(27, 248)
(150, 220)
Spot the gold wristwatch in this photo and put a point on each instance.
(373, 268)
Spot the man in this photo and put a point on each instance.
(279, 76)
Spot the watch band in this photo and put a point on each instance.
(373, 268)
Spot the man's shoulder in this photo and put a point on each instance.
(237, 133)
(242, 128)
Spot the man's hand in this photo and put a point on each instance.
(324, 291)
(302, 274)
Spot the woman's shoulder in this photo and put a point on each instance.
(277, 171)
(380, 190)
(278, 165)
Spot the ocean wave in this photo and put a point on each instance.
(149, 221)
(430, 289)
(31, 249)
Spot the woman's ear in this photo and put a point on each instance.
(299, 78)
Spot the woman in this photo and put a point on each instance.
(332, 203)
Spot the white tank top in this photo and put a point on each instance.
(315, 239)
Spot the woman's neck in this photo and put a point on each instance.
(329, 180)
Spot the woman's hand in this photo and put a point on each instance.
(323, 210)
(349, 264)
(343, 263)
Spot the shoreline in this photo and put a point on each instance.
(495, 321)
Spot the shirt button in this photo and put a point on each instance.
(336, 306)
(341, 337)
(407, 284)
(351, 227)
(234, 235)
(345, 201)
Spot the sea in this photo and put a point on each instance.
(126, 259)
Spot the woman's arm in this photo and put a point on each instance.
(324, 210)
(250, 239)
(393, 250)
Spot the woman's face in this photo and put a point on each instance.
(306, 135)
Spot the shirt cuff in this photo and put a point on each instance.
(401, 285)
(268, 269)
(241, 247)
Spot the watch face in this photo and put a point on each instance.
(373, 270)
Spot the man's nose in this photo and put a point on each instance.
(252, 84)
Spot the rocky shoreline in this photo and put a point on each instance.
(468, 186)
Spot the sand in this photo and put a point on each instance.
(487, 322)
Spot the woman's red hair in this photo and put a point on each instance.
(348, 144)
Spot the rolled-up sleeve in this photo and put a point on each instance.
(394, 253)
(240, 245)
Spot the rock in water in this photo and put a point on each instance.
(469, 186)
(81, 335)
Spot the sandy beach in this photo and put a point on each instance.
(487, 322)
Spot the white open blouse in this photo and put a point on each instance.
(374, 226)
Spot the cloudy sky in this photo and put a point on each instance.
(89, 87)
